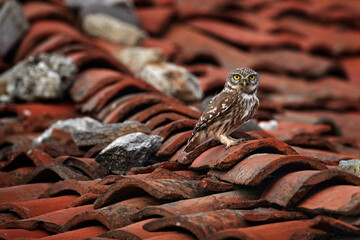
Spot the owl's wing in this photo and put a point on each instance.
(217, 106)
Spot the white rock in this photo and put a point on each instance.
(269, 125)
(351, 166)
(71, 125)
(47, 76)
(136, 58)
(112, 29)
(173, 80)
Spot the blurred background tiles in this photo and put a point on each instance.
(149, 68)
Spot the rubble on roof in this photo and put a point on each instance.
(108, 162)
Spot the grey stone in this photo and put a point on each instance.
(46, 76)
(173, 80)
(82, 3)
(136, 58)
(351, 166)
(13, 25)
(132, 150)
(107, 133)
(70, 125)
(112, 29)
(122, 12)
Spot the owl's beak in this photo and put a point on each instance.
(244, 84)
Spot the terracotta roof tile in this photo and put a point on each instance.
(291, 188)
(256, 168)
(163, 189)
(51, 222)
(327, 200)
(112, 216)
(36, 207)
(22, 233)
(224, 159)
(283, 183)
(280, 230)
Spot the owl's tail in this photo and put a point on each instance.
(194, 141)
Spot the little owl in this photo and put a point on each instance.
(233, 106)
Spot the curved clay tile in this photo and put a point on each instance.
(87, 166)
(42, 29)
(26, 157)
(176, 126)
(43, 10)
(339, 199)
(96, 56)
(52, 173)
(162, 119)
(163, 189)
(173, 144)
(198, 223)
(280, 230)
(152, 111)
(130, 104)
(116, 90)
(253, 170)
(55, 42)
(88, 82)
(37, 207)
(22, 193)
(220, 158)
(22, 233)
(231, 199)
(291, 188)
(113, 216)
(51, 222)
(131, 231)
(70, 186)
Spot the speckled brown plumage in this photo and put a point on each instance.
(233, 106)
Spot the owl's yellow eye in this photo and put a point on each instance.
(251, 77)
(236, 77)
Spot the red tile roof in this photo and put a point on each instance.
(283, 183)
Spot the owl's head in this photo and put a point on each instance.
(243, 80)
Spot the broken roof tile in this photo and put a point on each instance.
(291, 188)
(254, 169)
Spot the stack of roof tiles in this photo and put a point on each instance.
(284, 183)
